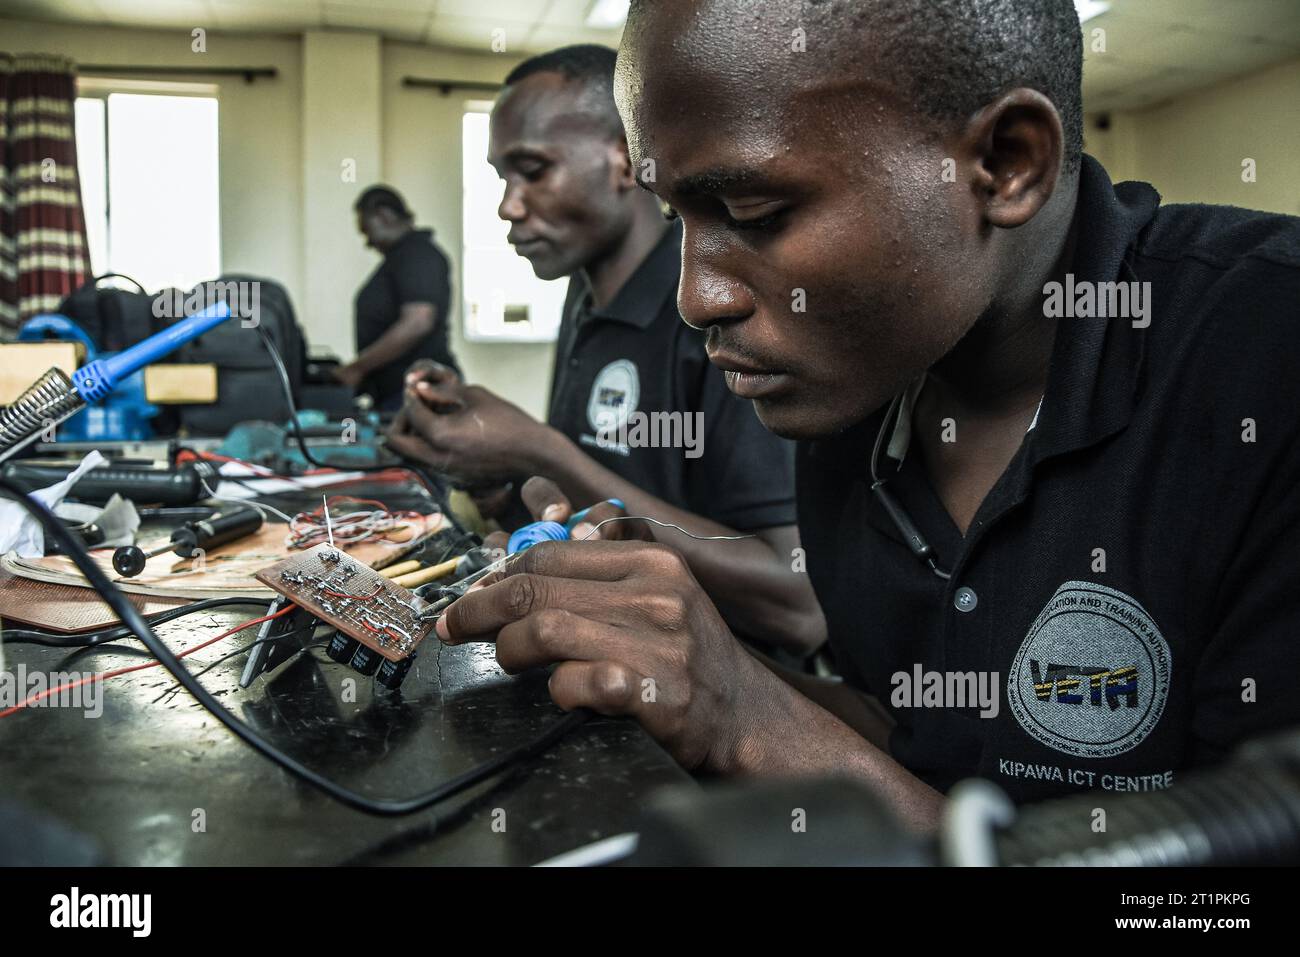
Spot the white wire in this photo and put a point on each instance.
(655, 521)
(244, 501)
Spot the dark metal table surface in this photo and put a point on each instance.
(161, 782)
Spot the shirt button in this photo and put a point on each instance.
(573, 362)
(965, 599)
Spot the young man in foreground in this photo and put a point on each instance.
(1105, 576)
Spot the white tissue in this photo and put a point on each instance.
(21, 532)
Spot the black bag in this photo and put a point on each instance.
(113, 318)
(248, 386)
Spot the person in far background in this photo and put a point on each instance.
(401, 311)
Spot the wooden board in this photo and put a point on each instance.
(64, 608)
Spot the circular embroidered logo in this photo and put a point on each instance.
(1092, 677)
(614, 396)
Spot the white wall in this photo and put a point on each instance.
(1191, 148)
(341, 154)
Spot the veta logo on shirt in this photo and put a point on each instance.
(1120, 685)
(1092, 676)
(614, 395)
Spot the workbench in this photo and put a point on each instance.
(142, 777)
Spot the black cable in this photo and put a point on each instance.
(49, 639)
(287, 386)
(117, 600)
(246, 648)
(436, 488)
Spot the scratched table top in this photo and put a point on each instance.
(156, 780)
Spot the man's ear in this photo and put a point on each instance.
(1014, 146)
(621, 165)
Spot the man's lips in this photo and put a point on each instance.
(747, 380)
(523, 246)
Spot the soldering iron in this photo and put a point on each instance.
(55, 397)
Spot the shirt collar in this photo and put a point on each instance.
(639, 300)
(411, 235)
(1091, 388)
(1092, 382)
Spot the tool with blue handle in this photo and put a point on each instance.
(523, 539)
(535, 532)
(54, 397)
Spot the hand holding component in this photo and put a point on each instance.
(486, 440)
(633, 634)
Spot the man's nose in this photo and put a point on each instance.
(709, 294)
(512, 208)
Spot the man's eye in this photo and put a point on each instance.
(532, 171)
(770, 221)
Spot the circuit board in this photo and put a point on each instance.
(352, 597)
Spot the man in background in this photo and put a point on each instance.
(401, 311)
(575, 209)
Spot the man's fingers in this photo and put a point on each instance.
(605, 687)
(427, 370)
(483, 612)
(424, 422)
(444, 398)
(590, 529)
(544, 500)
(557, 634)
(599, 561)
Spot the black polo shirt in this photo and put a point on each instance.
(636, 359)
(413, 270)
(1133, 578)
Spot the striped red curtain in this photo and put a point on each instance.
(43, 250)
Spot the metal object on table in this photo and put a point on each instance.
(217, 529)
(294, 632)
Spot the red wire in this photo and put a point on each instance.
(105, 675)
(342, 594)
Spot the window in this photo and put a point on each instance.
(148, 168)
(503, 300)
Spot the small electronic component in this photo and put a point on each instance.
(380, 623)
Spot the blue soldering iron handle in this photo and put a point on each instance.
(97, 379)
(535, 532)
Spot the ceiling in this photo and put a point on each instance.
(1158, 49)
(1155, 49)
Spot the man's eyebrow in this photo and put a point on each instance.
(720, 180)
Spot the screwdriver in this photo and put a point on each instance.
(217, 529)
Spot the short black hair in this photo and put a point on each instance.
(953, 57)
(588, 64)
(382, 197)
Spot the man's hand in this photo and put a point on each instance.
(482, 438)
(435, 384)
(546, 503)
(633, 633)
(349, 375)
